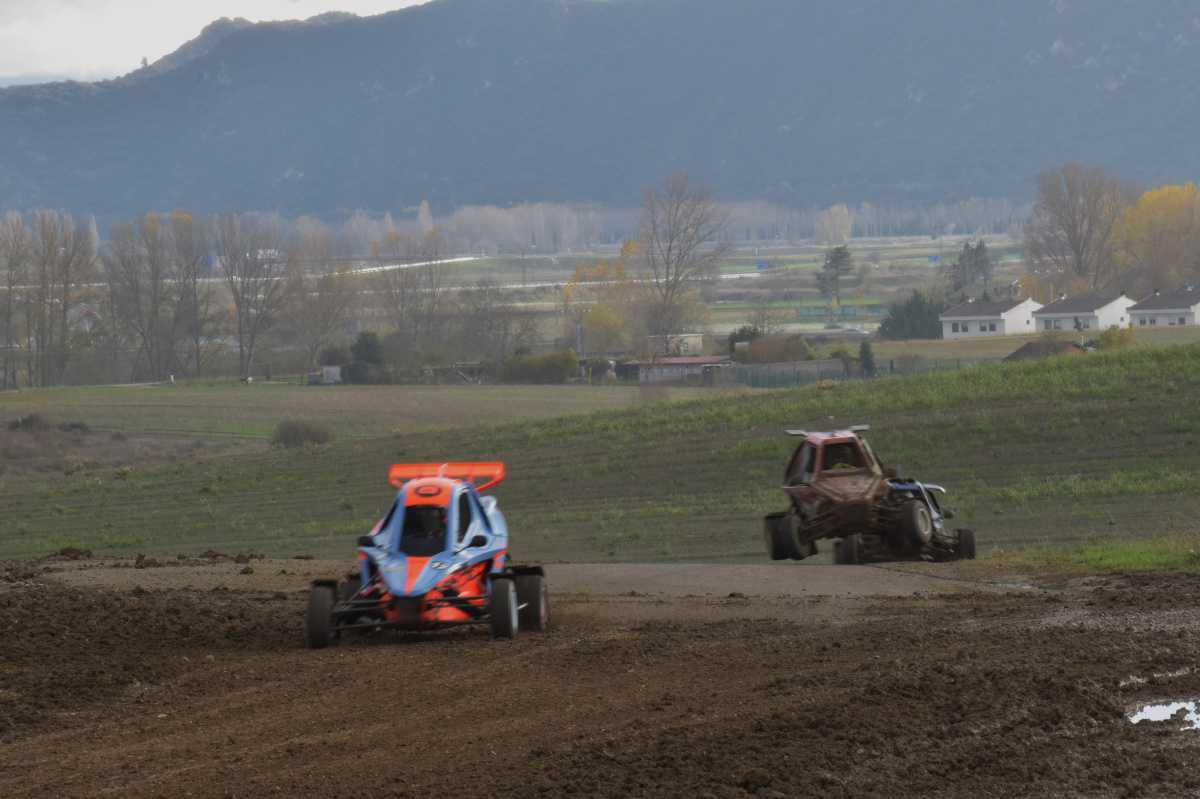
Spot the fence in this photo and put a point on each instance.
(799, 373)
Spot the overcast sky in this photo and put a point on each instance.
(89, 39)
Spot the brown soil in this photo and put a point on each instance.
(71, 449)
(115, 688)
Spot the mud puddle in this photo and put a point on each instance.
(1185, 712)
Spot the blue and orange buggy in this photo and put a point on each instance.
(439, 558)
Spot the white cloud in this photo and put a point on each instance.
(104, 38)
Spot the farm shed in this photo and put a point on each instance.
(697, 369)
(326, 376)
(676, 345)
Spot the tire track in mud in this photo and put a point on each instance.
(941, 693)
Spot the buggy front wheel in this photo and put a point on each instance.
(503, 609)
(318, 620)
(848, 551)
(533, 602)
(966, 544)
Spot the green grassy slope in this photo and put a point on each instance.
(1054, 451)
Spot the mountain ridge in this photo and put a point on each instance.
(503, 101)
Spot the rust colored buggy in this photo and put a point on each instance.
(839, 490)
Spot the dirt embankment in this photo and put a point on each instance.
(137, 692)
(34, 445)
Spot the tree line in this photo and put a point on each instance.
(1092, 230)
(178, 294)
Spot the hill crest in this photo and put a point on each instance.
(504, 101)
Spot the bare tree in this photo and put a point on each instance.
(15, 247)
(432, 249)
(834, 225)
(254, 268)
(63, 257)
(680, 243)
(413, 290)
(321, 294)
(189, 240)
(143, 289)
(1074, 220)
(399, 285)
(486, 321)
(425, 218)
(768, 319)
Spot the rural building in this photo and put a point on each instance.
(326, 376)
(696, 369)
(976, 318)
(680, 344)
(1085, 312)
(1167, 309)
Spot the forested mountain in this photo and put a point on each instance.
(498, 101)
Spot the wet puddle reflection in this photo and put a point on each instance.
(1165, 711)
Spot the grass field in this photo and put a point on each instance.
(1044, 453)
(1177, 553)
(232, 409)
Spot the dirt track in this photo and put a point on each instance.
(187, 679)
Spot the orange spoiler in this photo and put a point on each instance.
(491, 473)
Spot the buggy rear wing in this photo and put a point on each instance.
(857, 429)
(491, 473)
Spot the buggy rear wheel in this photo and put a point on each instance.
(782, 532)
(318, 620)
(966, 544)
(533, 601)
(502, 608)
(775, 533)
(848, 551)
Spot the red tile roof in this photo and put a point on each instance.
(687, 360)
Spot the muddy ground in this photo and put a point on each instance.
(35, 445)
(186, 678)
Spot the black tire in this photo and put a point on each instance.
(318, 620)
(779, 532)
(916, 525)
(966, 544)
(797, 548)
(848, 551)
(774, 542)
(502, 608)
(533, 599)
(783, 534)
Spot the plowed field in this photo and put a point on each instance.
(186, 678)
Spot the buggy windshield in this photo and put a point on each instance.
(842, 458)
(424, 533)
